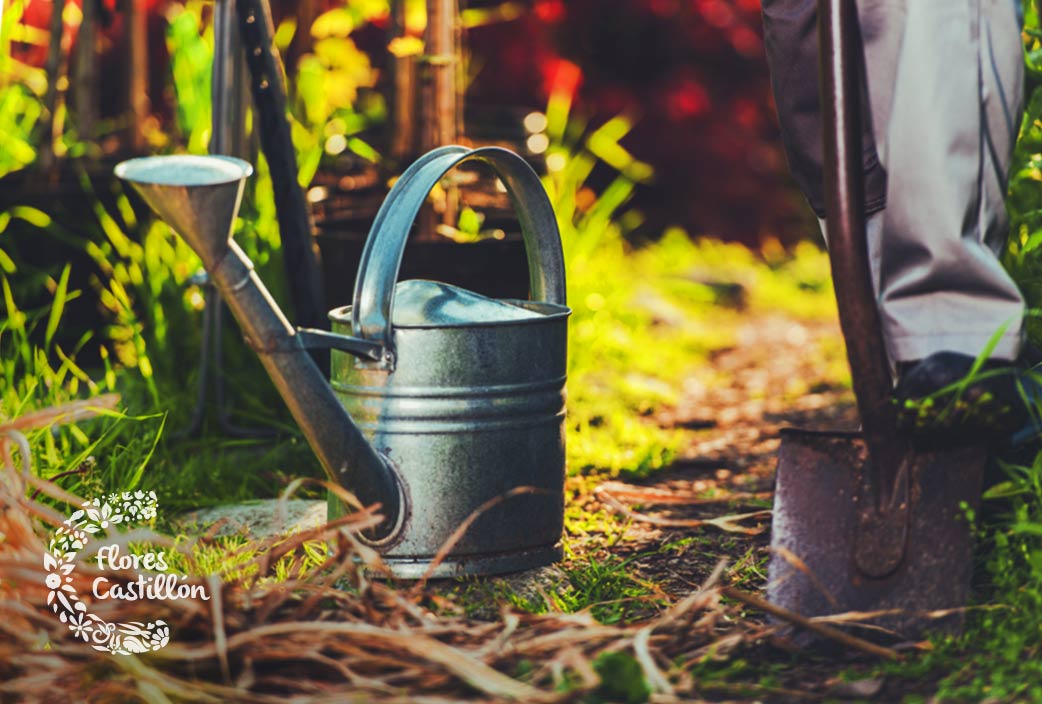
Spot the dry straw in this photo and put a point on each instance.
(339, 633)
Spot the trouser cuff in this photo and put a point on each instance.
(915, 347)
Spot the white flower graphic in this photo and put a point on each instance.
(59, 561)
(102, 517)
(81, 626)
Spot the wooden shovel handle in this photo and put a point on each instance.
(840, 56)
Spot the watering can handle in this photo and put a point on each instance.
(382, 255)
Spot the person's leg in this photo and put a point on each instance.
(791, 42)
(944, 91)
(946, 145)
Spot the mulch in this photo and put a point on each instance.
(340, 632)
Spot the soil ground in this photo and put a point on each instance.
(737, 404)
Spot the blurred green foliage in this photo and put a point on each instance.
(21, 97)
(1024, 201)
(622, 679)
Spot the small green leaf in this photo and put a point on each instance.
(7, 264)
(1002, 490)
(15, 317)
(622, 678)
(469, 221)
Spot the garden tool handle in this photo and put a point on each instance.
(382, 254)
(303, 274)
(845, 216)
(884, 503)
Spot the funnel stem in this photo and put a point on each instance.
(345, 454)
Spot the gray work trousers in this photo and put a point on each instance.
(944, 89)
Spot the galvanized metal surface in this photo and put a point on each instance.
(422, 302)
(471, 412)
(485, 564)
(821, 496)
(199, 196)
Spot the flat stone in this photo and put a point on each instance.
(257, 519)
(530, 585)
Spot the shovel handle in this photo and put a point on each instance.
(840, 53)
(882, 526)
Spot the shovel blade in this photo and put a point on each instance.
(821, 487)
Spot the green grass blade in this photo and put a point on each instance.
(58, 307)
(139, 472)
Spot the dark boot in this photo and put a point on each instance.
(940, 398)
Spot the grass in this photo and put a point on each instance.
(667, 309)
(999, 657)
(605, 587)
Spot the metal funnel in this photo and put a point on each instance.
(198, 196)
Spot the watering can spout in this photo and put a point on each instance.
(199, 197)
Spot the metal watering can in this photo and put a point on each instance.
(458, 402)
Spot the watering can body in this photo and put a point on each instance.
(455, 426)
(472, 416)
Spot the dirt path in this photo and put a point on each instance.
(780, 372)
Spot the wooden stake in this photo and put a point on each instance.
(84, 85)
(403, 98)
(442, 55)
(306, 14)
(439, 98)
(137, 72)
(291, 208)
(53, 69)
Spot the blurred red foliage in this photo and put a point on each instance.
(690, 72)
(693, 74)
